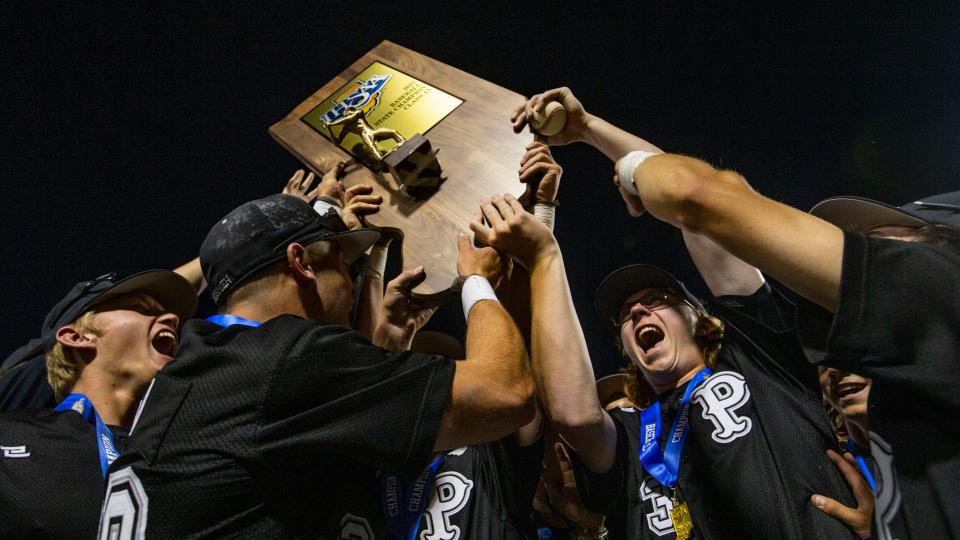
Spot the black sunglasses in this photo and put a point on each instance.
(653, 300)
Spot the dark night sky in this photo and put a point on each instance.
(127, 131)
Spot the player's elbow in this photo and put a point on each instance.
(519, 401)
(573, 420)
(694, 190)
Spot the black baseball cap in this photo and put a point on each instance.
(861, 214)
(258, 232)
(623, 282)
(168, 288)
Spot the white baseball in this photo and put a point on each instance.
(551, 121)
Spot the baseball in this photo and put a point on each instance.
(552, 120)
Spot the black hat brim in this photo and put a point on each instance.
(354, 243)
(861, 214)
(623, 282)
(170, 289)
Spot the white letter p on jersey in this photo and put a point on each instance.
(451, 491)
(720, 395)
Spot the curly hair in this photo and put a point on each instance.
(707, 333)
(62, 368)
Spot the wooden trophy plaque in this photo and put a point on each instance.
(447, 117)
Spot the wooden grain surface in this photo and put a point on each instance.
(479, 154)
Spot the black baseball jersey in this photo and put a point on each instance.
(484, 492)
(51, 485)
(275, 432)
(25, 386)
(756, 447)
(898, 322)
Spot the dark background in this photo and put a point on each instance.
(128, 130)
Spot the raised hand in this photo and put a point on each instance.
(299, 186)
(359, 202)
(538, 169)
(511, 229)
(485, 262)
(577, 117)
(400, 317)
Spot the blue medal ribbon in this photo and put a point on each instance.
(403, 506)
(82, 405)
(665, 465)
(229, 320)
(858, 454)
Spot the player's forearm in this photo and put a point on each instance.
(368, 312)
(515, 295)
(494, 346)
(192, 272)
(799, 250)
(723, 273)
(559, 353)
(493, 390)
(612, 141)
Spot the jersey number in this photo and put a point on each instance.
(355, 528)
(124, 515)
(658, 520)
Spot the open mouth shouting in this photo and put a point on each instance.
(165, 342)
(649, 337)
(850, 390)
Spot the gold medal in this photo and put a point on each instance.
(680, 516)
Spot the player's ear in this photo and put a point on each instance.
(72, 338)
(299, 261)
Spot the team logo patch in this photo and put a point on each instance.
(14, 451)
(719, 396)
(363, 95)
(451, 491)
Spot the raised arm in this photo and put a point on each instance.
(493, 389)
(723, 273)
(559, 354)
(192, 272)
(801, 251)
(582, 126)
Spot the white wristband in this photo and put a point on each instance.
(376, 262)
(629, 164)
(545, 212)
(475, 288)
(323, 204)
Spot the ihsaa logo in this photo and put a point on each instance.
(363, 95)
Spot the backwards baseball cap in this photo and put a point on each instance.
(170, 289)
(257, 233)
(612, 387)
(860, 214)
(623, 282)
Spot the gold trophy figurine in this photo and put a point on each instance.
(412, 164)
(355, 121)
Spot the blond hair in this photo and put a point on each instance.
(63, 367)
